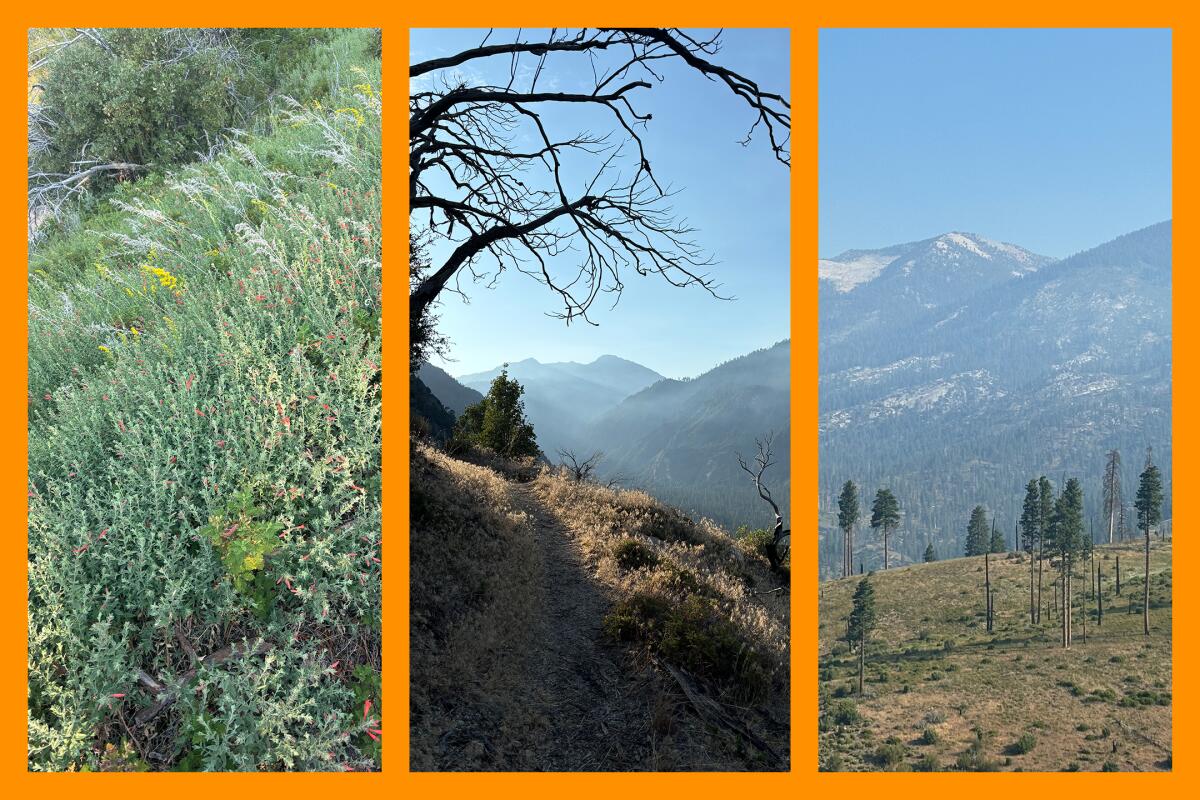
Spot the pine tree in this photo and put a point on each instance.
(1113, 502)
(1149, 513)
(977, 532)
(1067, 540)
(847, 518)
(1045, 516)
(930, 553)
(862, 622)
(498, 422)
(885, 513)
(997, 544)
(1031, 536)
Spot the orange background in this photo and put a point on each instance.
(805, 23)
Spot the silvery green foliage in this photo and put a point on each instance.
(224, 341)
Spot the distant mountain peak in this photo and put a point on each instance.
(855, 268)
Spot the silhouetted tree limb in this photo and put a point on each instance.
(487, 175)
(764, 460)
(579, 470)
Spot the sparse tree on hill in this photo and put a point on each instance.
(1067, 539)
(862, 623)
(848, 514)
(1031, 537)
(885, 513)
(977, 532)
(930, 553)
(997, 544)
(1114, 503)
(1045, 517)
(498, 422)
(1149, 513)
(777, 548)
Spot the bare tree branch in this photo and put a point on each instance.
(476, 182)
(764, 460)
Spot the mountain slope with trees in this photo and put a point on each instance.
(953, 400)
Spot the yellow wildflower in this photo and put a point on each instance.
(353, 112)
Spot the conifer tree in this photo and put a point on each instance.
(977, 532)
(847, 518)
(1031, 536)
(1045, 516)
(498, 422)
(1113, 502)
(885, 513)
(930, 553)
(1149, 513)
(862, 623)
(997, 544)
(1067, 539)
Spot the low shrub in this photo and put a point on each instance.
(631, 554)
(1024, 744)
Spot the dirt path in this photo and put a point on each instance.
(596, 718)
(578, 704)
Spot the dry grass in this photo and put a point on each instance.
(690, 560)
(933, 665)
(473, 563)
(513, 571)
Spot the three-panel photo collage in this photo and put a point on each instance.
(587, 518)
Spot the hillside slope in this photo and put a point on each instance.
(452, 394)
(934, 675)
(967, 396)
(680, 439)
(205, 494)
(566, 626)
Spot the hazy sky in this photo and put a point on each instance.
(736, 197)
(1056, 140)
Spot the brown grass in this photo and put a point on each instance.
(514, 569)
(473, 562)
(1076, 703)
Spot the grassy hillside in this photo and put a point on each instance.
(943, 694)
(566, 625)
(204, 423)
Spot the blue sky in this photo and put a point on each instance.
(736, 197)
(1056, 140)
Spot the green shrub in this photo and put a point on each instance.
(630, 554)
(930, 736)
(889, 754)
(690, 634)
(844, 712)
(172, 399)
(926, 763)
(1024, 744)
(832, 763)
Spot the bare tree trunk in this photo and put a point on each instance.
(1039, 571)
(1083, 618)
(1099, 596)
(1118, 576)
(1146, 588)
(885, 548)
(1032, 609)
(987, 591)
(862, 663)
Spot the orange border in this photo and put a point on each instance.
(805, 23)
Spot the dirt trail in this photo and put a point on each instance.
(577, 704)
